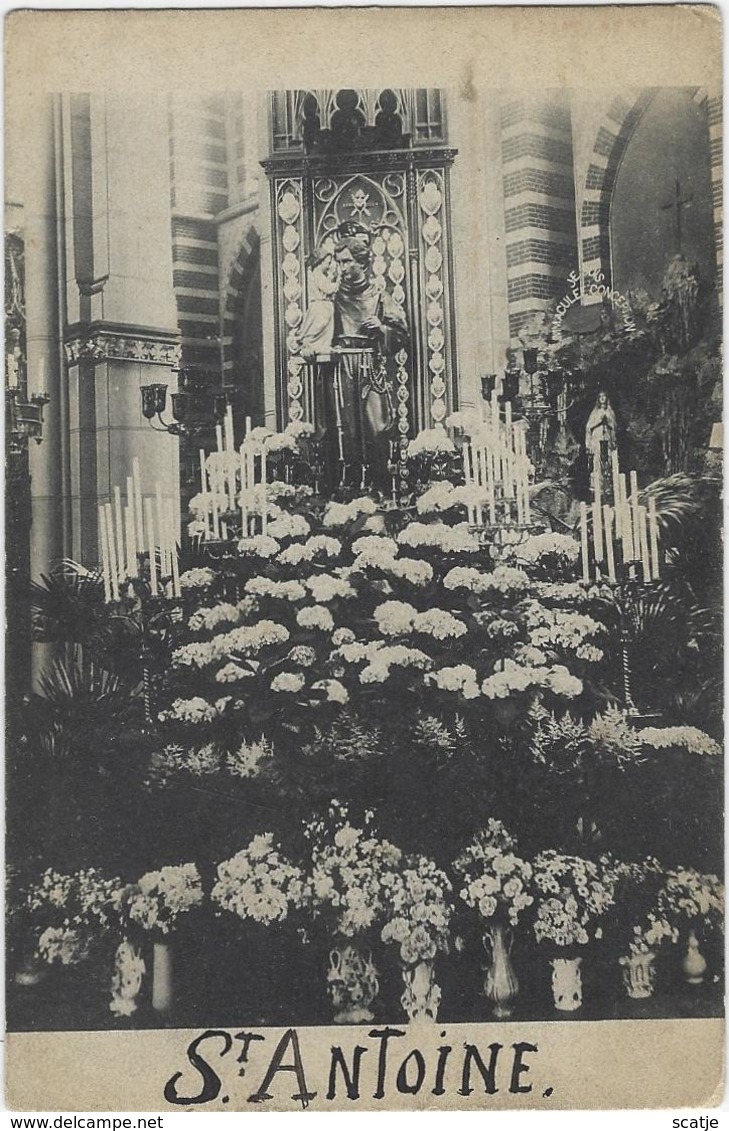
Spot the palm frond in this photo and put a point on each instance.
(67, 605)
(679, 505)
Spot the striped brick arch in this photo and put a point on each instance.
(610, 144)
(243, 271)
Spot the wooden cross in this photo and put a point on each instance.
(678, 203)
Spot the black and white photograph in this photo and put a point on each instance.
(364, 571)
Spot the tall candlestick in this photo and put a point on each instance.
(653, 526)
(104, 549)
(609, 549)
(113, 560)
(151, 547)
(137, 479)
(583, 541)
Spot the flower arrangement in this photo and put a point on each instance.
(572, 896)
(156, 901)
(689, 898)
(691, 739)
(419, 910)
(637, 918)
(70, 913)
(259, 883)
(431, 441)
(351, 872)
(496, 880)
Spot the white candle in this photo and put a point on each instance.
(216, 526)
(219, 437)
(163, 564)
(653, 526)
(616, 484)
(483, 479)
(643, 527)
(104, 551)
(264, 492)
(248, 425)
(230, 458)
(113, 561)
(583, 540)
(243, 493)
(492, 494)
(610, 552)
(131, 542)
(119, 525)
(176, 590)
(149, 518)
(251, 478)
(635, 514)
(137, 479)
(597, 531)
(466, 468)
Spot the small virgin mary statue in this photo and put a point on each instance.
(601, 440)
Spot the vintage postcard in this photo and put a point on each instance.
(364, 565)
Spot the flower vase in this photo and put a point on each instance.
(639, 974)
(500, 984)
(126, 979)
(353, 984)
(31, 971)
(421, 996)
(162, 977)
(694, 963)
(567, 984)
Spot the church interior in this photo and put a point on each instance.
(315, 395)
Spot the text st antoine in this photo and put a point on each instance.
(384, 1066)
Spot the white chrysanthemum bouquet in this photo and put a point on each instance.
(259, 883)
(496, 880)
(572, 896)
(350, 874)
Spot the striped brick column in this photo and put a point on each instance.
(539, 203)
(199, 180)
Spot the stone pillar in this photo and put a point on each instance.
(41, 300)
(120, 282)
(478, 241)
(267, 289)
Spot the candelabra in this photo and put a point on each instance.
(196, 406)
